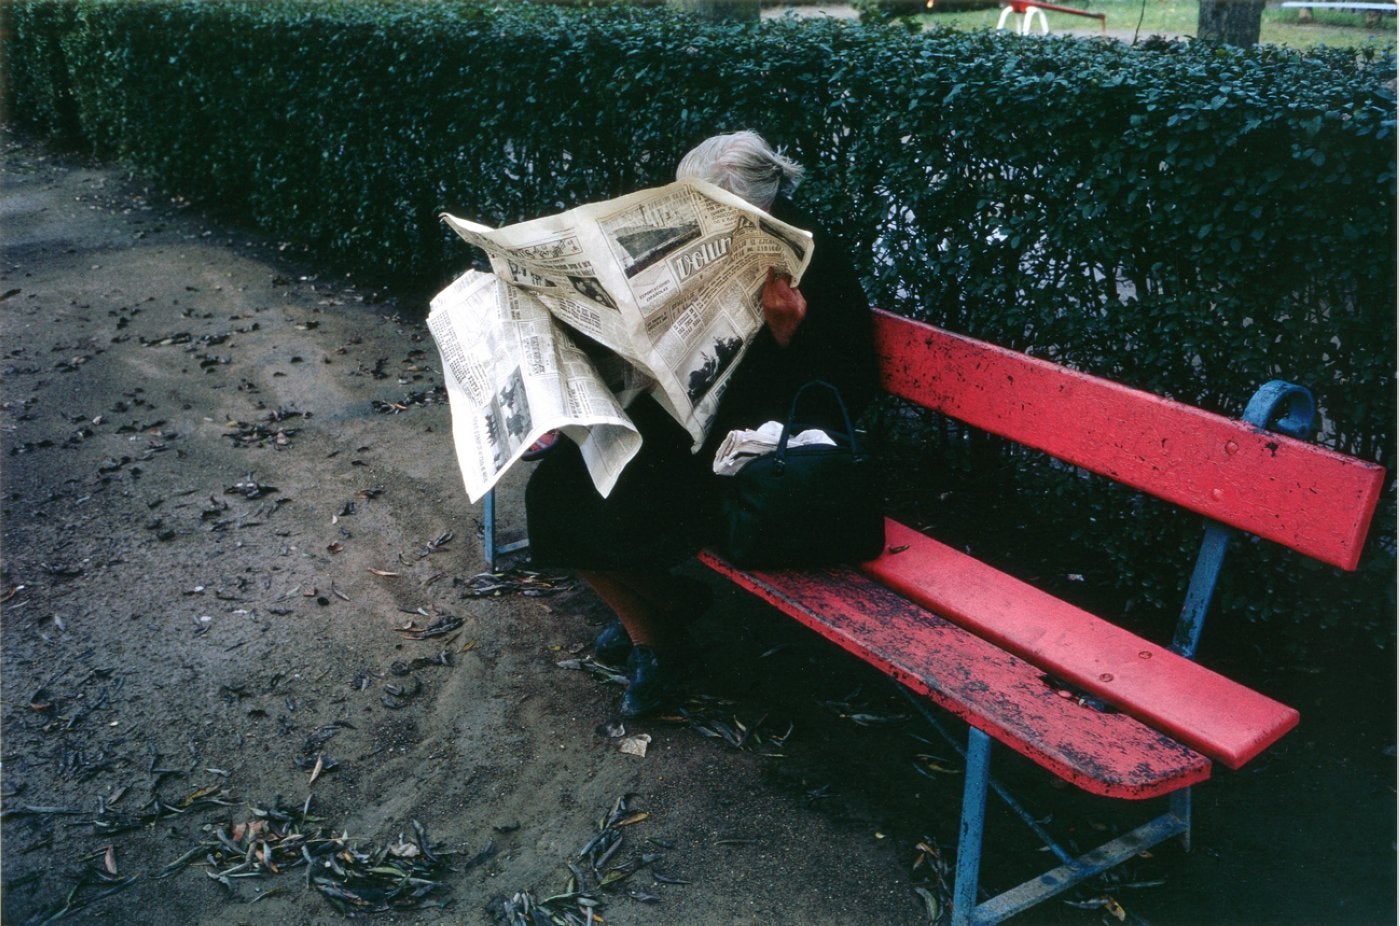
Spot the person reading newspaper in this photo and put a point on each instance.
(664, 505)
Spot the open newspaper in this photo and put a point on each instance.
(665, 283)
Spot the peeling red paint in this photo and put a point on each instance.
(1201, 708)
(1104, 753)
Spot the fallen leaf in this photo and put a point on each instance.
(931, 904)
(935, 764)
(196, 795)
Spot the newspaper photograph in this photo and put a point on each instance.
(668, 279)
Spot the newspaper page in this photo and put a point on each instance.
(512, 374)
(669, 279)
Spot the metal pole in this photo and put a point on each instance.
(979, 757)
(997, 787)
(1277, 405)
(488, 515)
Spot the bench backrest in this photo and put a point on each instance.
(1298, 494)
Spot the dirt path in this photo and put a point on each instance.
(229, 503)
(213, 458)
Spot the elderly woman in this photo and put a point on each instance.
(665, 506)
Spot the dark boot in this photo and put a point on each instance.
(612, 645)
(648, 689)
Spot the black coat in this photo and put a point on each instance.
(664, 506)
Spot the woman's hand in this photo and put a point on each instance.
(784, 307)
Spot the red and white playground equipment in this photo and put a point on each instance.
(1030, 10)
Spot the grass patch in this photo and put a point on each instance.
(1177, 19)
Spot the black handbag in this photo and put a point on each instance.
(808, 505)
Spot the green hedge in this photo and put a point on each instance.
(1188, 219)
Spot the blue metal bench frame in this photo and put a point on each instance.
(493, 549)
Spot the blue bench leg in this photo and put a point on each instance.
(979, 758)
(493, 549)
(1179, 806)
(488, 515)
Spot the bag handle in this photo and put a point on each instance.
(792, 414)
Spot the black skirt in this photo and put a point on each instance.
(661, 512)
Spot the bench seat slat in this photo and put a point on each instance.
(1303, 496)
(1203, 709)
(1110, 754)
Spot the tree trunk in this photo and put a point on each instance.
(1230, 22)
(718, 10)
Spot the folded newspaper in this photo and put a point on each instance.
(667, 280)
(740, 448)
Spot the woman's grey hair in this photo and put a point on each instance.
(744, 164)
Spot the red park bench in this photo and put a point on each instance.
(980, 643)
